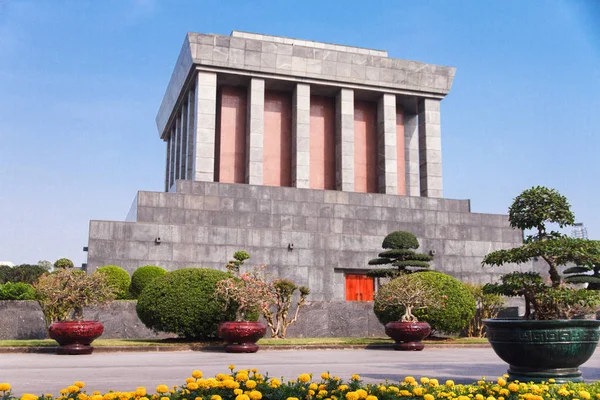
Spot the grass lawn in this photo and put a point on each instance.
(274, 342)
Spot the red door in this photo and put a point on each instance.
(359, 287)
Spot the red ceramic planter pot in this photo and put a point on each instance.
(75, 337)
(408, 335)
(241, 337)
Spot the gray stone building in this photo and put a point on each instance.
(305, 154)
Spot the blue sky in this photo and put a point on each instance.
(81, 82)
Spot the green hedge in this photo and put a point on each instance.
(118, 278)
(457, 312)
(183, 302)
(17, 291)
(143, 276)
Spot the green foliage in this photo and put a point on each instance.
(184, 302)
(17, 291)
(535, 207)
(543, 302)
(118, 279)
(25, 273)
(63, 263)
(407, 292)
(400, 240)
(458, 304)
(239, 257)
(399, 255)
(143, 276)
(488, 306)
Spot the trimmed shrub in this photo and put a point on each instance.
(458, 310)
(26, 273)
(63, 263)
(118, 278)
(17, 291)
(143, 276)
(184, 302)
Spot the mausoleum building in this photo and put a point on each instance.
(305, 154)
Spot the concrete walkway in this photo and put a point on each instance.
(48, 373)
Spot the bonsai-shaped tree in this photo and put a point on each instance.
(533, 210)
(239, 257)
(578, 274)
(408, 294)
(399, 253)
(277, 315)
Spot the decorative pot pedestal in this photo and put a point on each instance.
(75, 337)
(241, 337)
(539, 350)
(408, 335)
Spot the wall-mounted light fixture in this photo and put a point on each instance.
(432, 252)
(290, 246)
(157, 240)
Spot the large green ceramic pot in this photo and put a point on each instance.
(539, 350)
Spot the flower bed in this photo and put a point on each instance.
(251, 385)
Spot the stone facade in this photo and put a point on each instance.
(202, 224)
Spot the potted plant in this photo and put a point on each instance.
(62, 295)
(409, 293)
(548, 342)
(250, 294)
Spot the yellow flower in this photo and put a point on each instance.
(362, 394)
(584, 395)
(237, 392)
(144, 398)
(292, 398)
(29, 396)
(463, 397)
(449, 383)
(404, 393)
(79, 384)
(96, 397)
(325, 375)
(250, 384)
(479, 396)
(304, 378)
(343, 387)
(82, 396)
(215, 397)
(192, 386)
(351, 396)
(197, 373)
(513, 387)
(424, 380)
(393, 389)
(371, 397)
(433, 382)
(503, 392)
(242, 397)
(229, 384)
(501, 382)
(275, 383)
(355, 377)
(255, 395)
(490, 398)
(164, 398)
(231, 367)
(73, 389)
(428, 397)
(4, 387)
(162, 389)
(241, 377)
(140, 391)
(418, 391)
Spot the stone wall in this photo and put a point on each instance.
(24, 320)
(203, 223)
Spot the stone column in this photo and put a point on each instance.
(172, 145)
(430, 148)
(191, 101)
(177, 144)
(204, 126)
(168, 165)
(301, 136)
(344, 140)
(387, 173)
(255, 132)
(184, 141)
(411, 154)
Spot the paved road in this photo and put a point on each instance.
(48, 373)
